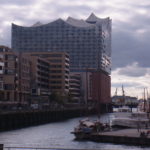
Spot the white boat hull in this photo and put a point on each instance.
(130, 123)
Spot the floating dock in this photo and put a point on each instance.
(122, 136)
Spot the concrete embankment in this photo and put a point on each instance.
(15, 120)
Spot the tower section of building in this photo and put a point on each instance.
(88, 42)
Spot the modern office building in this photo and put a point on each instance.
(88, 42)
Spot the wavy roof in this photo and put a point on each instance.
(89, 22)
(77, 22)
(92, 18)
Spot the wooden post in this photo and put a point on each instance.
(1, 146)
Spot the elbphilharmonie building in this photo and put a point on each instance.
(88, 42)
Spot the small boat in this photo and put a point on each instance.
(124, 109)
(87, 127)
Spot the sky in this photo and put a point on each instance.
(130, 32)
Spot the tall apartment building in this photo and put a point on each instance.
(14, 76)
(58, 70)
(8, 75)
(88, 42)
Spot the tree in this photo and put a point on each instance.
(56, 98)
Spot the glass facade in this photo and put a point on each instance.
(88, 44)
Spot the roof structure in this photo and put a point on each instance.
(92, 18)
(89, 22)
(77, 22)
(37, 24)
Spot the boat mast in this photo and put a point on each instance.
(148, 104)
(116, 91)
(123, 95)
(144, 101)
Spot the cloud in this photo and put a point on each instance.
(16, 2)
(133, 77)
(133, 70)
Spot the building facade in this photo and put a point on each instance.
(100, 87)
(23, 66)
(39, 75)
(58, 70)
(88, 42)
(14, 76)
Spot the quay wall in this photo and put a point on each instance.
(15, 120)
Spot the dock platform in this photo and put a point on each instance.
(122, 136)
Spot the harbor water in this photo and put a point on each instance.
(57, 135)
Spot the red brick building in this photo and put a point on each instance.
(101, 90)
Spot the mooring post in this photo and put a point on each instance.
(1, 146)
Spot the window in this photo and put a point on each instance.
(55, 87)
(55, 66)
(9, 86)
(10, 57)
(55, 55)
(55, 60)
(9, 71)
(55, 77)
(55, 71)
(56, 82)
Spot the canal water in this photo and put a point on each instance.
(57, 135)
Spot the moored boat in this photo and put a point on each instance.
(87, 127)
(124, 109)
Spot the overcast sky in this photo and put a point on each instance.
(130, 32)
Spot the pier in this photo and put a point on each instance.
(123, 136)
